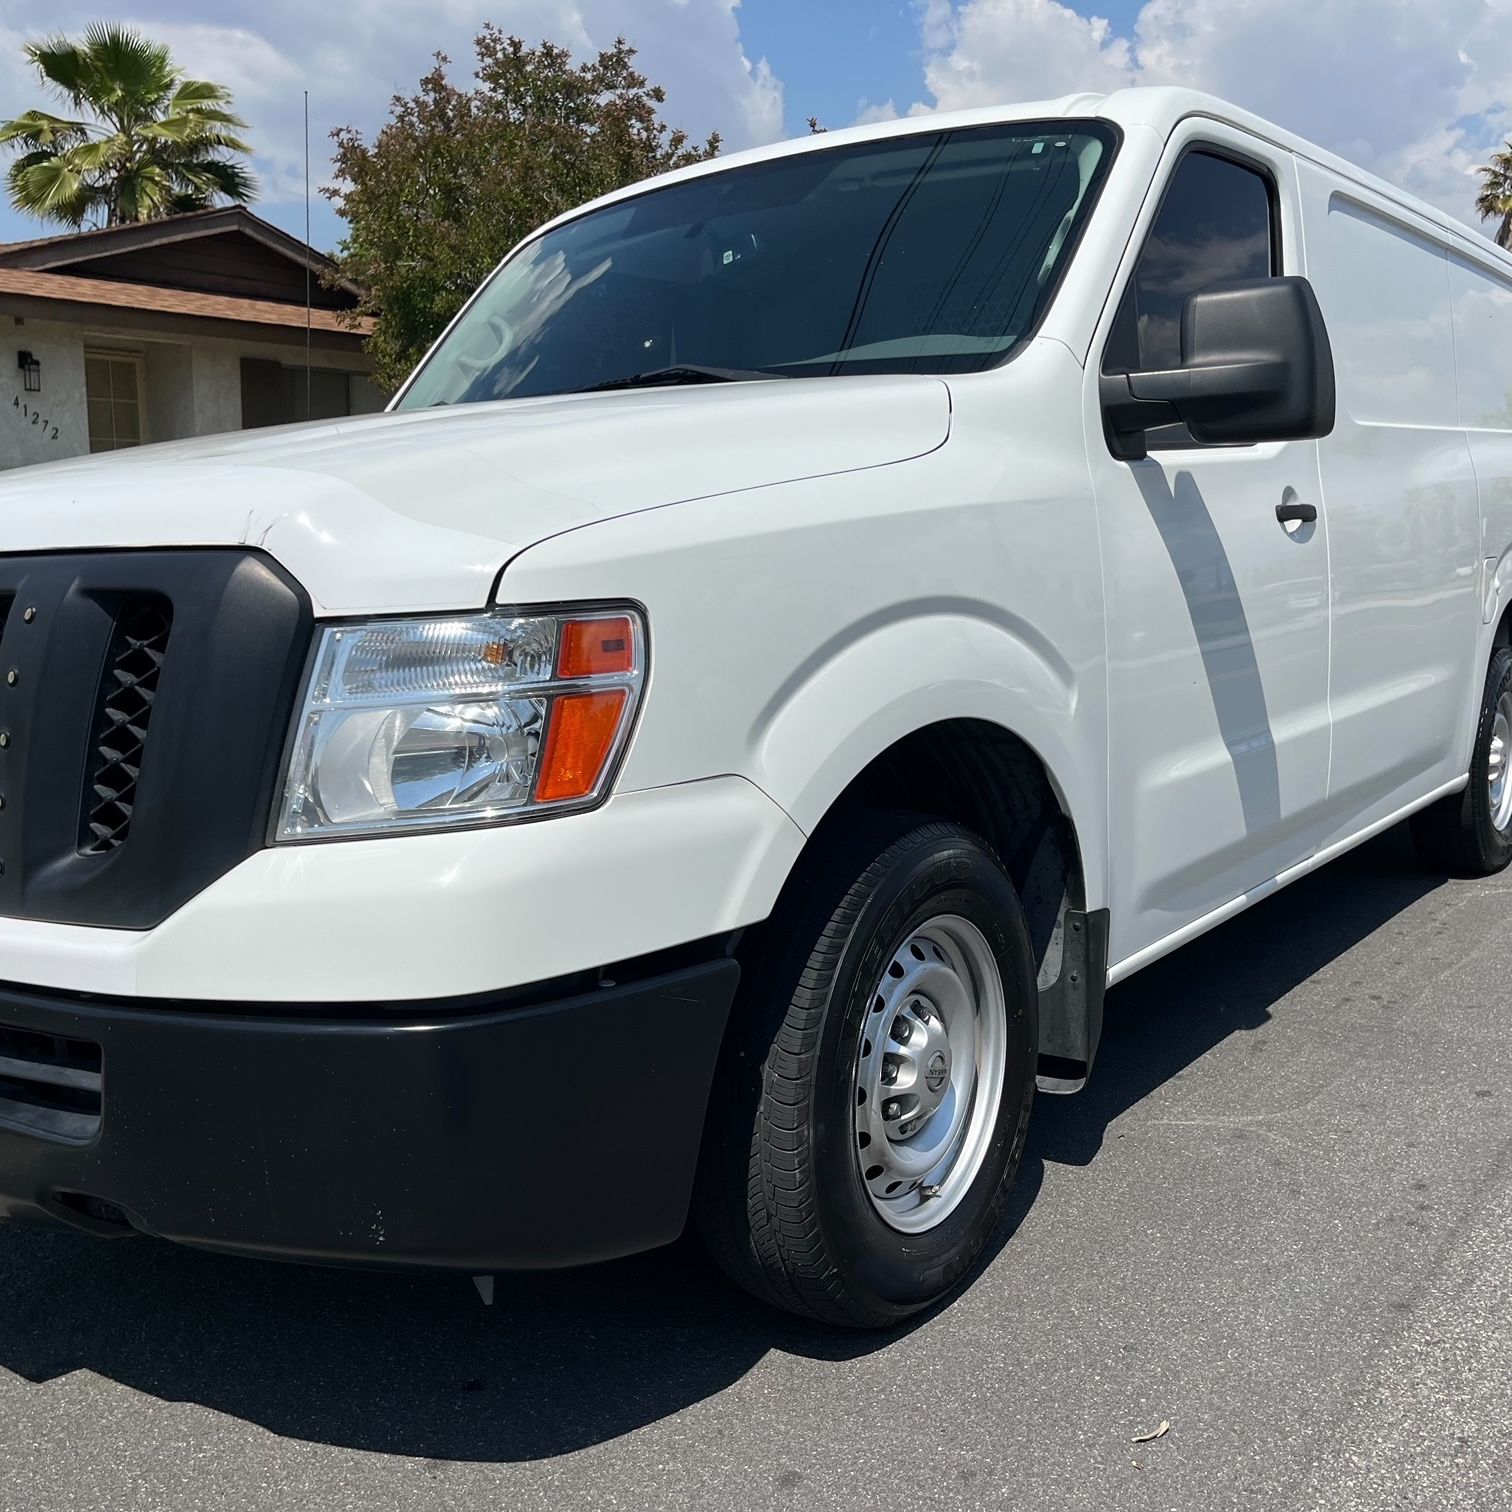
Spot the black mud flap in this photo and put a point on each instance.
(1071, 1007)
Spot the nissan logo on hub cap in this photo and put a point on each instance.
(936, 1071)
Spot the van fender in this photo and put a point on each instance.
(888, 680)
(920, 665)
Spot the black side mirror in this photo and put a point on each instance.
(1256, 365)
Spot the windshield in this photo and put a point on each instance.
(930, 253)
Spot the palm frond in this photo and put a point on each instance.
(94, 157)
(1494, 201)
(37, 128)
(217, 178)
(131, 75)
(152, 141)
(190, 131)
(51, 190)
(27, 160)
(211, 115)
(143, 192)
(200, 94)
(63, 64)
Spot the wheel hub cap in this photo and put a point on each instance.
(929, 1073)
(1498, 785)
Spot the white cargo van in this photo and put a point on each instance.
(812, 623)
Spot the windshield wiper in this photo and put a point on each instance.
(686, 373)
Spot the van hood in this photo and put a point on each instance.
(420, 510)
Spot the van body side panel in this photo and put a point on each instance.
(1400, 494)
(1482, 297)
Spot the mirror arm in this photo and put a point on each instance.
(1135, 403)
(1128, 415)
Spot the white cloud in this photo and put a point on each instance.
(992, 50)
(354, 58)
(268, 87)
(935, 19)
(16, 75)
(1417, 92)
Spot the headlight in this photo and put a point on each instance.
(429, 723)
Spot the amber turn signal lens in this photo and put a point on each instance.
(578, 742)
(596, 647)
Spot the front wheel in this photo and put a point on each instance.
(1471, 833)
(872, 1104)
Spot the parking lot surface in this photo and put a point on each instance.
(1278, 1220)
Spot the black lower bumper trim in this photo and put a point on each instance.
(520, 1137)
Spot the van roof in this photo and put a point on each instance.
(1160, 108)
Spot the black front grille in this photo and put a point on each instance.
(144, 701)
(123, 710)
(49, 1085)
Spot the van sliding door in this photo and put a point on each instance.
(1399, 497)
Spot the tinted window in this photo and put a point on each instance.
(1214, 226)
(924, 253)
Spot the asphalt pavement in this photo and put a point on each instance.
(1279, 1220)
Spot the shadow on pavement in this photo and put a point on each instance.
(1167, 1017)
(568, 1360)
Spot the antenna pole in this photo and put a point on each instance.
(309, 250)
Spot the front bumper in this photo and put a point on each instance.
(510, 1134)
(421, 917)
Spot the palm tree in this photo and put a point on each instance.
(143, 141)
(1494, 202)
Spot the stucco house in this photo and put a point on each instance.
(170, 328)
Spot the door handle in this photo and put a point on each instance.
(1293, 513)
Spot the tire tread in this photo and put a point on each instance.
(772, 1242)
(1455, 835)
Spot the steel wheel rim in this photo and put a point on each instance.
(929, 1073)
(1498, 787)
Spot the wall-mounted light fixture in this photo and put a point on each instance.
(31, 372)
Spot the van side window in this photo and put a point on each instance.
(1216, 224)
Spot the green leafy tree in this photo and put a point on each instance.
(1494, 202)
(456, 177)
(143, 140)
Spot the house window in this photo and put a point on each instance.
(273, 394)
(113, 387)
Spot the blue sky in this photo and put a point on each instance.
(833, 58)
(836, 56)
(1417, 91)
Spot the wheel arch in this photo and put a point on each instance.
(992, 780)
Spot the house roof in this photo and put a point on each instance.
(227, 250)
(63, 296)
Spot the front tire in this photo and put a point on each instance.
(873, 1099)
(1470, 833)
